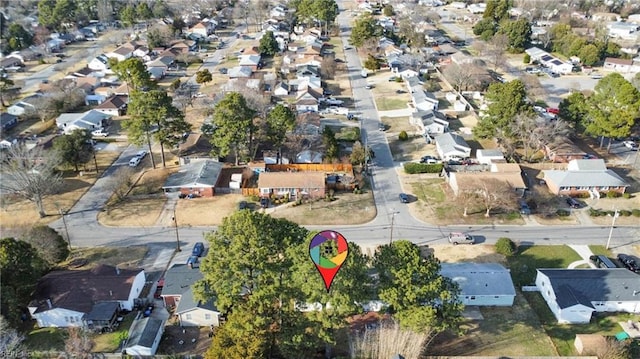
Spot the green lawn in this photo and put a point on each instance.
(390, 103)
(600, 250)
(523, 265)
(429, 190)
(45, 339)
(110, 342)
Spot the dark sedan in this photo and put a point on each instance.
(629, 262)
(404, 198)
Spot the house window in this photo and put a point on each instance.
(605, 188)
(564, 188)
(473, 297)
(496, 296)
(548, 293)
(188, 316)
(207, 316)
(583, 188)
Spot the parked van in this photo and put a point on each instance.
(458, 237)
(602, 261)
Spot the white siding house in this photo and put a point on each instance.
(194, 313)
(482, 284)
(574, 294)
(144, 336)
(450, 146)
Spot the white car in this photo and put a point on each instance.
(135, 161)
(630, 145)
(99, 133)
(334, 102)
(141, 154)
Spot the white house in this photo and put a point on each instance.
(121, 53)
(548, 60)
(450, 146)
(144, 336)
(25, 106)
(559, 66)
(430, 123)
(574, 294)
(477, 8)
(90, 120)
(623, 30)
(622, 65)
(487, 156)
(421, 99)
(482, 284)
(307, 101)
(281, 89)
(99, 63)
(195, 313)
(65, 298)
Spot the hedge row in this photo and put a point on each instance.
(414, 167)
(623, 212)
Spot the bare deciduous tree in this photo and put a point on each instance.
(10, 339)
(533, 132)
(78, 343)
(466, 197)
(459, 76)
(31, 174)
(328, 67)
(495, 49)
(120, 182)
(494, 193)
(534, 87)
(614, 350)
(387, 340)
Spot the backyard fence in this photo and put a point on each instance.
(312, 167)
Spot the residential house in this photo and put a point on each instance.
(488, 156)
(605, 16)
(240, 72)
(144, 336)
(481, 284)
(8, 121)
(90, 120)
(548, 60)
(584, 176)
(421, 99)
(196, 313)
(622, 65)
(281, 89)
(461, 59)
(450, 146)
(64, 298)
(199, 177)
(251, 61)
(99, 63)
(573, 295)
(278, 11)
(203, 29)
(10, 61)
(293, 184)
(25, 107)
(564, 151)
(116, 105)
(623, 30)
(121, 53)
(308, 100)
(430, 123)
(177, 280)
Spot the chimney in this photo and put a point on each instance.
(49, 303)
(117, 270)
(111, 293)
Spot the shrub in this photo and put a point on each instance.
(414, 167)
(626, 195)
(635, 212)
(625, 213)
(562, 213)
(505, 246)
(595, 212)
(399, 79)
(584, 195)
(526, 59)
(613, 194)
(403, 136)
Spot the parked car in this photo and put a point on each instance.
(99, 133)
(368, 87)
(264, 202)
(596, 76)
(135, 161)
(573, 203)
(524, 207)
(243, 205)
(630, 145)
(392, 79)
(192, 260)
(223, 70)
(198, 249)
(429, 159)
(382, 127)
(602, 261)
(142, 154)
(553, 110)
(457, 237)
(629, 262)
(404, 198)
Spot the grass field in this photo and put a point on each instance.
(349, 208)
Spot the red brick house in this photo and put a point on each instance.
(199, 178)
(294, 184)
(584, 176)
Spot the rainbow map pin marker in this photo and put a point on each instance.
(328, 251)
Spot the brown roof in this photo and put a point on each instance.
(565, 148)
(114, 102)
(507, 167)
(613, 60)
(291, 180)
(123, 50)
(79, 289)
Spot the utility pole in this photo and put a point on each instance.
(66, 229)
(393, 217)
(613, 222)
(175, 225)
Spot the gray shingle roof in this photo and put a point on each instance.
(179, 278)
(479, 278)
(188, 302)
(195, 174)
(450, 142)
(586, 178)
(143, 332)
(583, 286)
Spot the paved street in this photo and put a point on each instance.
(84, 230)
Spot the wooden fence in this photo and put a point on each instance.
(313, 167)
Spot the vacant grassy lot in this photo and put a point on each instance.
(523, 265)
(85, 258)
(135, 211)
(207, 211)
(349, 208)
(16, 212)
